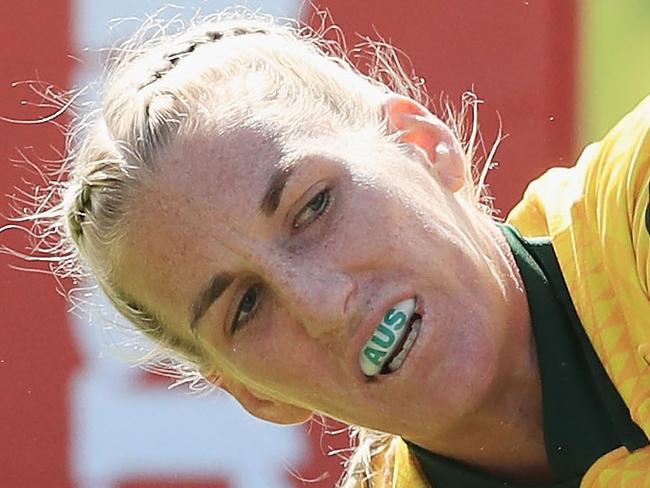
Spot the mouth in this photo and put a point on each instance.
(391, 341)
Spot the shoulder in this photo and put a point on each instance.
(597, 216)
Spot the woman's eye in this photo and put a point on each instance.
(246, 308)
(314, 209)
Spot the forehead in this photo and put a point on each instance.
(210, 164)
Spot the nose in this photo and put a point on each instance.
(316, 294)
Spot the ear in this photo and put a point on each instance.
(261, 406)
(428, 133)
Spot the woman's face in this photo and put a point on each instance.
(285, 257)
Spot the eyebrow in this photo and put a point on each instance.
(273, 194)
(208, 296)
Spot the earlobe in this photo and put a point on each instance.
(424, 130)
(263, 407)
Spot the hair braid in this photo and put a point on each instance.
(186, 47)
(81, 207)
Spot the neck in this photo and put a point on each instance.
(504, 435)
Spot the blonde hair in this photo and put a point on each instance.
(160, 86)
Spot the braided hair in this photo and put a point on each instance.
(175, 55)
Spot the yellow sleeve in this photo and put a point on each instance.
(616, 198)
(620, 469)
(603, 198)
(597, 216)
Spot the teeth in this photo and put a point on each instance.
(386, 337)
(410, 340)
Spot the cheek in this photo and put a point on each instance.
(271, 347)
(465, 352)
(365, 236)
(375, 226)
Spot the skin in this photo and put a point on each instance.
(395, 228)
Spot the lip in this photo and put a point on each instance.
(368, 326)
